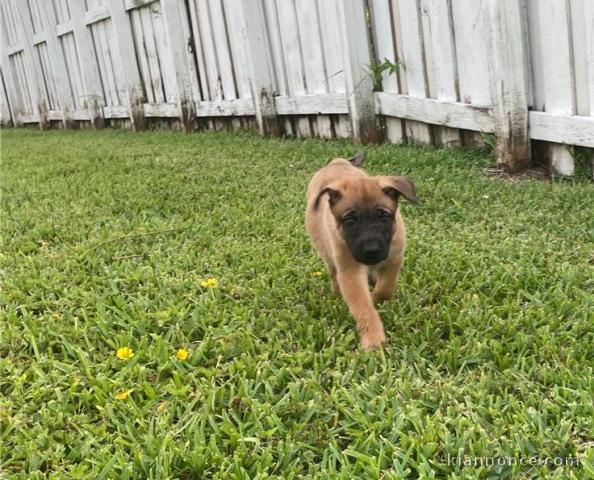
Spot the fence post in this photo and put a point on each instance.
(88, 63)
(261, 79)
(178, 36)
(357, 61)
(509, 83)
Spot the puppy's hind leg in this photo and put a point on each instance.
(332, 271)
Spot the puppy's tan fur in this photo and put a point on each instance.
(351, 278)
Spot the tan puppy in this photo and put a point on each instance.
(355, 225)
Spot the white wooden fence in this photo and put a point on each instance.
(521, 69)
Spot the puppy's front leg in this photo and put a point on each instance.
(386, 281)
(355, 291)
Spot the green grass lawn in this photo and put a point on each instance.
(491, 343)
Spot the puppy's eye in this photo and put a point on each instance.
(384, 216)
(349, 220)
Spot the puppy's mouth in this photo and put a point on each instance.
(371, 258)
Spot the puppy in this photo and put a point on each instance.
(356, 227)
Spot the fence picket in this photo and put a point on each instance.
(261, 68)
(5, 116)
(84, 56)
(414, 64)
(440, 41)
(559, 85)
(177, 32)
(31, 63)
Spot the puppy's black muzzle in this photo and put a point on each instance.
(371, 253)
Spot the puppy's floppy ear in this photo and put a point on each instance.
(357, 160)
(394, 186)
(333, 196)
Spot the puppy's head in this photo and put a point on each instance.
(365, 212)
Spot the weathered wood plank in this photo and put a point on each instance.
(312, 105)
(435, 112)
(226, 108)
(14, 48)
(96, 15)
(135, 4)
(567, 129)
(64, 28)
(161, 109)
(116, 111)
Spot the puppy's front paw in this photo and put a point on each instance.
(381, 297)
(373, 339)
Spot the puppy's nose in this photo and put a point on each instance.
(371, 250)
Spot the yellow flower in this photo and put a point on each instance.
(125, 353)
(317, 274)
(182, 354)
(123, 394)
(209, 283)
